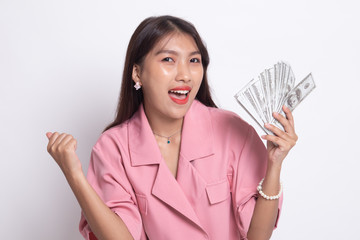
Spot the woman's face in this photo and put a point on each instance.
(170, 76)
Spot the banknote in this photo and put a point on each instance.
(296, 95)
(242, 100)
(270, 90)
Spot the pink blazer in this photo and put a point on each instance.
(220, 165)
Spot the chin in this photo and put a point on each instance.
(178, 114)
(180, 110)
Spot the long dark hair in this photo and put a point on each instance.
(147, 34)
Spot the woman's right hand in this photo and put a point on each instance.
(62, 148)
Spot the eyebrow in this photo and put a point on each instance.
(175, 53)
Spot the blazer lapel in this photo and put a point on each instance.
(197, 134)
(142, 144)
(145, 151)
(196, 144)
(167, 189)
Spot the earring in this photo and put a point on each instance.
(137, 86)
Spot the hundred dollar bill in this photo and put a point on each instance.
(246, 105)
(285, 83)
(257, 92)
(245, 97)
(296, 96)
(265, 80)
(272, 89)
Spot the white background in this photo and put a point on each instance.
(60, 69)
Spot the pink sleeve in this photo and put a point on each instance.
(106, 174)
(248, 170)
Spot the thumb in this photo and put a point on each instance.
(49, 134)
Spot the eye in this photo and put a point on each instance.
(195, 60)
(167, 59)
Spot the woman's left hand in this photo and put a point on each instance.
(285, 140)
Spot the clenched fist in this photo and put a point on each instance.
(62, 148)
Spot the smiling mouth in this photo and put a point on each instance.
(179, 96)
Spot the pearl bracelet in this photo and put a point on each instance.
(259, 188)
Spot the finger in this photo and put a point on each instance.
(57, 143)
(52, 140)
(285, 122)
(289, 138)
(278, 132)
(48, 134)
(60, 138)
(65, 141)
(71, 144)
(289, 116)
(281, 143)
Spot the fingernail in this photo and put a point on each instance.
(263, 136)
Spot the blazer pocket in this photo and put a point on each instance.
(142, 203)
(218, 192)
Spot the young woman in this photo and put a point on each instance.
(172, 165)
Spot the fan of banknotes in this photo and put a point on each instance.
(272, 89)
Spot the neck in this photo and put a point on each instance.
(162, 125)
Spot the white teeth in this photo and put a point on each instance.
(180, 91)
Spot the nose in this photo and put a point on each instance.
(183, 72)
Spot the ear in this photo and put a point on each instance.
(136, 73)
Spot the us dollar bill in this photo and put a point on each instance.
(296, 96)
(272, 89)
(246, 105)
(300, 92)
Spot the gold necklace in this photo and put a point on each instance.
(168, 138)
